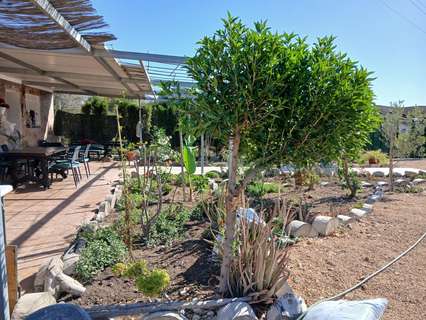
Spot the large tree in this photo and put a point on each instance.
(275, 99)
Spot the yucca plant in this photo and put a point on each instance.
(259, 263)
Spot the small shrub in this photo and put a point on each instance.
(213, 175)
(104, 248)
(169, 225)
(119, 269)
(259, 189)
(200, 183)
(198, 212)
(310, 178)
(353, 183)
(136, 269)
(373, 157)
(153, 283)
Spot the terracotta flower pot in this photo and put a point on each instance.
(131, 155)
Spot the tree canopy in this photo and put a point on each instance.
(291, 102)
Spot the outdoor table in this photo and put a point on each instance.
(40, 155)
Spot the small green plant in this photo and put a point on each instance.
(169, 225)
(136, 269)
(153, 283)
(119, 269)
(350, 181)
(198, 212)
(213, 175)
(310, 178)
(259, 189)
(373, 157)
(103, 248)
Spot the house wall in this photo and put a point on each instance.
(30, 109)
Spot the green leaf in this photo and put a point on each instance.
(189, 160)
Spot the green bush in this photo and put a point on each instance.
(374, 155)
(136, 269)
(198, 212)
(200, 183)
(103, 248)
(153, 283)
(259, 189)
(169, 225)
(119, 269)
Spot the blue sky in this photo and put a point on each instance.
(392, 45)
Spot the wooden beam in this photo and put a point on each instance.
(12, 276)
(46, 7)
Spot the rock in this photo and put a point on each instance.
(400, 181)
(358, 213)
(40, 277)
(111, 199)
(325, 225)
(196, 317)
(396, 174)
(298, 228)
(77, 246)
(104, 207)
(378, 174)
(60, 311)
(410, 174)
(382, 183)
(419, 181)
(164, 315)
(100, 216)
(367, 207)
(345, 220)
(313, 233)
(366, 184)
(70, 261)
(288, 306)
(70, 285)
(372, 199)
(31, 302)
(324, 183)
(236, 311)
(54, 269)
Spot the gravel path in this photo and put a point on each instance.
(326, 266)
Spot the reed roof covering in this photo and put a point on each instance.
(24, 24)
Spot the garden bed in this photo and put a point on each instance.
(189, 260)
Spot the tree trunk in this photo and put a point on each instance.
(352, 188)
(230, 208)
(391, 179)
(181, 165)
(202, 154)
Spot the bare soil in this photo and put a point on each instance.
(323, 267)
(319, 267)
(188, 262)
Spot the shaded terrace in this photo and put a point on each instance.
(43, 223)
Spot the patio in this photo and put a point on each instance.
(43, 222)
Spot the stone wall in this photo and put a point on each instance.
(16, 95)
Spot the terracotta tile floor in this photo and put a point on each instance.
(43, 222)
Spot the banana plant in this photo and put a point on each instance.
(189, 161)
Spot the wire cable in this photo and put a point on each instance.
(368, 278)
(415, 25)
(418, 7)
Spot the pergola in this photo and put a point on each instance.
(46, 45)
